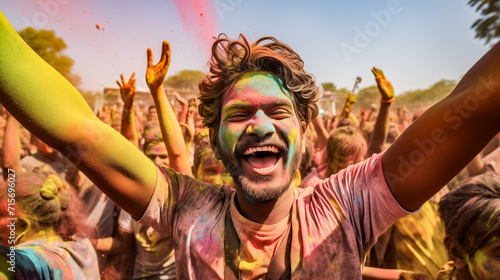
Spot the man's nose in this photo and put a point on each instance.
(260, 125)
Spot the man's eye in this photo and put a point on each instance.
(163, 156)
(210, 171)
(237, 117)
(280, 114)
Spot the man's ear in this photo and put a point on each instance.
(454, 252)
(214, 143)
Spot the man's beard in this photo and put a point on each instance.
(267, 194)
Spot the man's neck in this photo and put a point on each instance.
(269, 212)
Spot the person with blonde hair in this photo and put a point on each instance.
(50, 239)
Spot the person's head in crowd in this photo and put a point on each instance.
(471, 215)
(346, 122)
(251, 137)
(207, 168)
(104, 114)
(345, 146)
(45, 207)
(201, 135)
(154, 147)
(152, 114)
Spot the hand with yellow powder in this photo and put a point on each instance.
(170, 128)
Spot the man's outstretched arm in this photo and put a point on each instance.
(170, 128)
(447, 136)
(52, 109)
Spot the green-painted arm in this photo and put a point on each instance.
(52, 109)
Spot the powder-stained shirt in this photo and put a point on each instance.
(154, 257)
(56, 260)
(335, 224)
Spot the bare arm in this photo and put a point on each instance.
(11, 149)
(115, 245)
(445, 138)
(184, 104)
(54, 111)
(321, 132)
(170, 128)
(127, 92)
(381, 127)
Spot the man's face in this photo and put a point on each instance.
(485, 263)
(152, 115)
(158, 154)
(211, 170)
(260, 140)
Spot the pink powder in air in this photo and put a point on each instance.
(198, 18)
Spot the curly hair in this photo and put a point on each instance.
(470, 212)
(231, 59)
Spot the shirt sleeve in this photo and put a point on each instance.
(125, 222)
(175, 195)
(365, 199)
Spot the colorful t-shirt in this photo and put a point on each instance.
(335, 224)
(154, 251)
(39, 259)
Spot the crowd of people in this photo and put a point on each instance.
(248, 180)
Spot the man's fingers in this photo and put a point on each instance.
(131, 78)
(165, 53)
(150, 57)
(118, 83)
(123, 79)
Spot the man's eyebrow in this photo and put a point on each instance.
(236, 105)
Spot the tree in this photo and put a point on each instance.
(328, 86)
(366, 97)
(488, 26)
(50, 47)
(184, 80)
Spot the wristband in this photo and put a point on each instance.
(388, 100)
(125, 109)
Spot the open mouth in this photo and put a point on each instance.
(262, 159)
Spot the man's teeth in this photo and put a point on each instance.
(252, 150)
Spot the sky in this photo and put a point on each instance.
(415, 43)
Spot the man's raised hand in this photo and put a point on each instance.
(127, 90)
(155, 74)
(384, 85)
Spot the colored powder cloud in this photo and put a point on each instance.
(198, 19)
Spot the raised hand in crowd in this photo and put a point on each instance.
(127, 93)
(170, 128)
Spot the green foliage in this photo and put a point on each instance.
(50, 47)
(413, 100)
(488, 26)
(328, 86)
(184, 80)
(366, 97)
(426, 97)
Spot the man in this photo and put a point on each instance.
(257, 102)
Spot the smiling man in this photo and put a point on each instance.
(257, 101)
